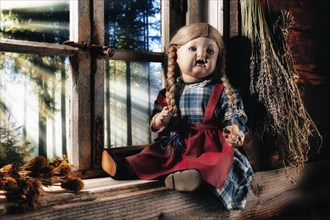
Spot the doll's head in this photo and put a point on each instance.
(185, 35)
(194, 31)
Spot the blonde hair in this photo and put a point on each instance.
(188, 33)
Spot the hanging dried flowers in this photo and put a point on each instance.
(273, 82)
(23, 185)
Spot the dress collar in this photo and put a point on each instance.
(202, 83)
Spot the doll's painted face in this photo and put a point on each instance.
(197, 59)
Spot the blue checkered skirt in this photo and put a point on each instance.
(233, 195)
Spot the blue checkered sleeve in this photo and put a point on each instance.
(235, 115)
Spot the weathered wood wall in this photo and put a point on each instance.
(309, 45)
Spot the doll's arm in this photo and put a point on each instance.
(161, 114)
(160, 120)
(233, 135)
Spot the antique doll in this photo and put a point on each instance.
(200, 121)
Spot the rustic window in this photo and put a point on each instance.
(65, 99)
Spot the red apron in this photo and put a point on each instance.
(204, 149)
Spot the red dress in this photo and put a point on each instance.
(204, 148)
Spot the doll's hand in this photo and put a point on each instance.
(162, 119)
(233, 135)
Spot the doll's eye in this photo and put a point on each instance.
(192, 49)
(210, 51)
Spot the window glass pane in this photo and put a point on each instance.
(45, 21)
(133, 25)
(33, 107)
(130, 91)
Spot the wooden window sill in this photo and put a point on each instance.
(96, 188)
(272, 195)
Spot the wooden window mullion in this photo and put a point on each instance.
(80, 78)
(97, 85)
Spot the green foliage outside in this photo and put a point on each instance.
(12, 149)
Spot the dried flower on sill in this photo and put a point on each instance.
(35, 164)
(64, 169)
(23, 184)
(72, 183)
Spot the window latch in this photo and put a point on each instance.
(101, 52)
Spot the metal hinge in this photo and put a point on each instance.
(101, 52)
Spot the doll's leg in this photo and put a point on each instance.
(117, 167)
(184, 181)
(108, 163)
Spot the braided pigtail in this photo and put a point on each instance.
(233, 134)
(170, 86)
(232, 99)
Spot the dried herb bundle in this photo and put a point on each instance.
(273, 82)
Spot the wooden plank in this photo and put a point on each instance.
(80, 115)
(177, 16)
(48, 49)
(309, 53)
(216, 15)
(165, 36)
(196, 11)
(142, 56)
(233, 23)
(271, 195)
(97, 86)
(172, 19)
(308, 38)
(40, 48)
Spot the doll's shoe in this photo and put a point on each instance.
(108, 164)
(184, 181)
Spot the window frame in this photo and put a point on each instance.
(86, 92)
